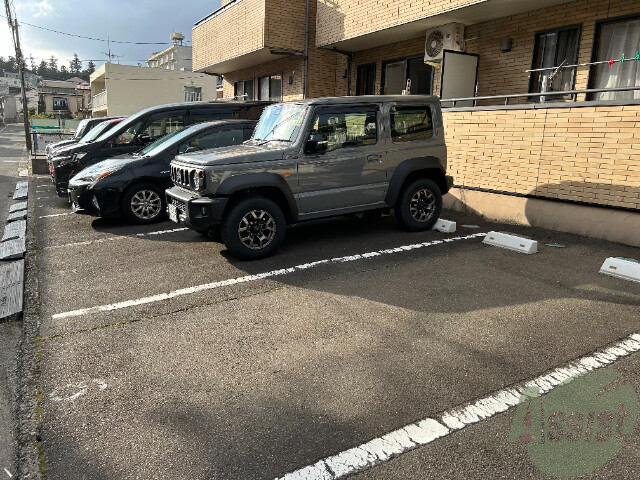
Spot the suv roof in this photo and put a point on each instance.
(369, 99)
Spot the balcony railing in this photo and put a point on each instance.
(536, 99)
(99, 100)
(192, 96)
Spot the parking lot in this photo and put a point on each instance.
(161, 356)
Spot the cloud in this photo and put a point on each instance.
(41, 9)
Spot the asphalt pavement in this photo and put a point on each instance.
(161, 356)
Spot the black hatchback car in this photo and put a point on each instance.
(144, 127)
(84, 127)
(133, 185)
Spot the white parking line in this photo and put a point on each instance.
(249, 278)
(57, 215)
(111, 239)
(409, 437)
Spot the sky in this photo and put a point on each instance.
(124, 20)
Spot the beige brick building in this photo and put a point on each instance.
(537, 148)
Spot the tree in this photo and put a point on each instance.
(63, 71)
(43, 68)
(75, 66)
(91, 67)
(32, 64)
(53, 64)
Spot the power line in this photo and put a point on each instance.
(90, 38)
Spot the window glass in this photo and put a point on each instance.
(551, 49)
(244, 89)
(366, 80)
(421, 76)
(394, 78)
(222, 138)
(280, 122)
(128, 136)
(199, 116)
(270, 88)
(59, 103)
(160, 126)
(614, 39)
(411, 123)
(346, 128)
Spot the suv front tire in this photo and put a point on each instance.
(419, 205)
(253, 228)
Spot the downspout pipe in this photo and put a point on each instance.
(306, 52)
(349, 56)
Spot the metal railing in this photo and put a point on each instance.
(192, 96)
(543, 97)
(99, 100)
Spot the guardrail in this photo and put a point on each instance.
(41, 138)
(99, 100)
(545, 97)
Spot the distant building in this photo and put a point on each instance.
(125, 89)
(57, 96)
(175, 57)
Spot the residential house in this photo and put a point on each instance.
(58, 97)
(124, 89)
(509, 161)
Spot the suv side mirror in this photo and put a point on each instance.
(315, 144)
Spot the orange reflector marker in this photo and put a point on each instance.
(202, 174)
(287, 175)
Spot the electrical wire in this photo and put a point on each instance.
(90, 38)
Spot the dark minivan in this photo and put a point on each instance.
(83, 128)
(144, 127)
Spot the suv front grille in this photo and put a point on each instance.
(183, 176)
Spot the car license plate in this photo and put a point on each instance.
(173, 213)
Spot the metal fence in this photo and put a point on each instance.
(41, 138)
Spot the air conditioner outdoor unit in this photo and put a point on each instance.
(439, 39)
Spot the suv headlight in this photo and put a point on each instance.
(197, 179)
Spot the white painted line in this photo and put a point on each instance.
(44, 198)
(7, 471)
(248, 278)
(111, 239)
(57, 215)
(382, 449)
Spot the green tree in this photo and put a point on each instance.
(32, 64)
(64, 72)
(43, 69)
(75, 66)
(53, 64)
(91, 67)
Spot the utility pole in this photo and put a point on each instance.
(13, 25)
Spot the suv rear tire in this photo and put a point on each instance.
(419, 205)
(253, 228)
(144, 203)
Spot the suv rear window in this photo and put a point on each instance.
(409, 123)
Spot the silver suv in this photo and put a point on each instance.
(313, 159)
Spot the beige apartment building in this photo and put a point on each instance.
(124, 89)
(509, 156)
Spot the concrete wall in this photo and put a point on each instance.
(131, 89)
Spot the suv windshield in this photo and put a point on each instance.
(280, 122)
(164, 142)
(98, 130)
(81, 129)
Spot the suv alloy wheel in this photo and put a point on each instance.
(419, 205)
(253, 228)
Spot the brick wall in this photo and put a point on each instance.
(237, 30)
(585, 154)
(340, 19)
(504, 73)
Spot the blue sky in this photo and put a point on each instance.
(137, 21)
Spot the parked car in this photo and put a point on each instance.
(95, 132)
(133, 185)
(83, 128)
(143, 128)
(313, 159)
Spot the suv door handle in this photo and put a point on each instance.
(373, 158)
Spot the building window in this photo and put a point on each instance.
(366, 79)
(551, 49)
(395, 74)
(60, 103)
(411, 123)
(244, 89)
(192, 94)
(613, 39)
(270, 88)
